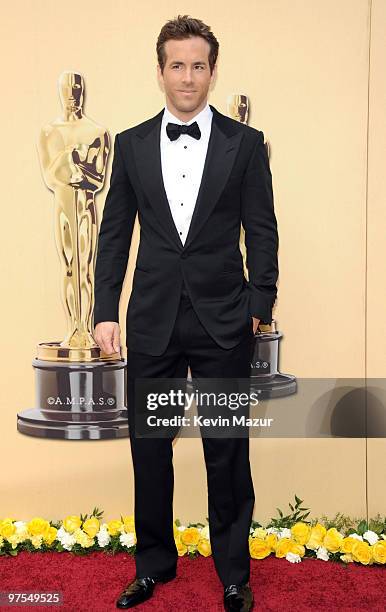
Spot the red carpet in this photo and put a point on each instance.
(93, 582)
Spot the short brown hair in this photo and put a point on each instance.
(183, 27)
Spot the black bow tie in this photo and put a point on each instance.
(174, 130)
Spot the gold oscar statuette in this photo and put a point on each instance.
(265, 376)
(73, 152)
(238, 109)
(79, 389)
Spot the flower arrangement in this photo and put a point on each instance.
(291, 537)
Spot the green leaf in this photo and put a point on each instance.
(362, 527)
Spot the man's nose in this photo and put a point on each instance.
(188, 76)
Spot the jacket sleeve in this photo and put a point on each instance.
(114, 241)
(261, 236)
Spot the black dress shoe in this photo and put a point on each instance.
(140, 590)
(238, 597)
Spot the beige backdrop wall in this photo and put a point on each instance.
(311, 80)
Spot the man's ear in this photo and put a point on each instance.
(160, 77)
(214, 74)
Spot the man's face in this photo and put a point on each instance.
(186, 77)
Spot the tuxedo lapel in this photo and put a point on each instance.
(147, 155)
(223, 145)
(220, 157)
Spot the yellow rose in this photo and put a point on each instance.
(379, 551)
(361, 552)
(332, 540)
(258, 548)
(298, 549)
(71, 523)
(114, 527)
(6, 521)
(176, 531)
(347, 544)
(301, 532)
(181, 548)
(50, 535)
(91, 526)
(7, 528)
(128, 523)
(37, 541)
(316, 538)
(82, 538)
(204, 547)
(271, 541)
(282, 547)
(190, 536)
(14, 540)
(38, 526)
(19, 536)
(259, 532)
(1, 541)
(347, 558)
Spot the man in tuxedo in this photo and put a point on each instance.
(193, 176)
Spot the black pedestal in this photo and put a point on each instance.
(77, 401)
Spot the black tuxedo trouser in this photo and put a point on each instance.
(229, 482)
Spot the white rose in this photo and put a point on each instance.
(20, 525)
(285, 533)
(205, 532)
(322, 553)
(103, 537)
(356, 536)
(293, 558)
(60, 532)
(127, 539)
(66, 539)
(21, 530)
(371, 536)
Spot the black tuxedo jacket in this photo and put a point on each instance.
(236, 188)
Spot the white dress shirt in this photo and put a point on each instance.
(182, 163)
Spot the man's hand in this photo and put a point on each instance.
(107, 335)
(255, 324)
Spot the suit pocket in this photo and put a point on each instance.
(142, 280)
